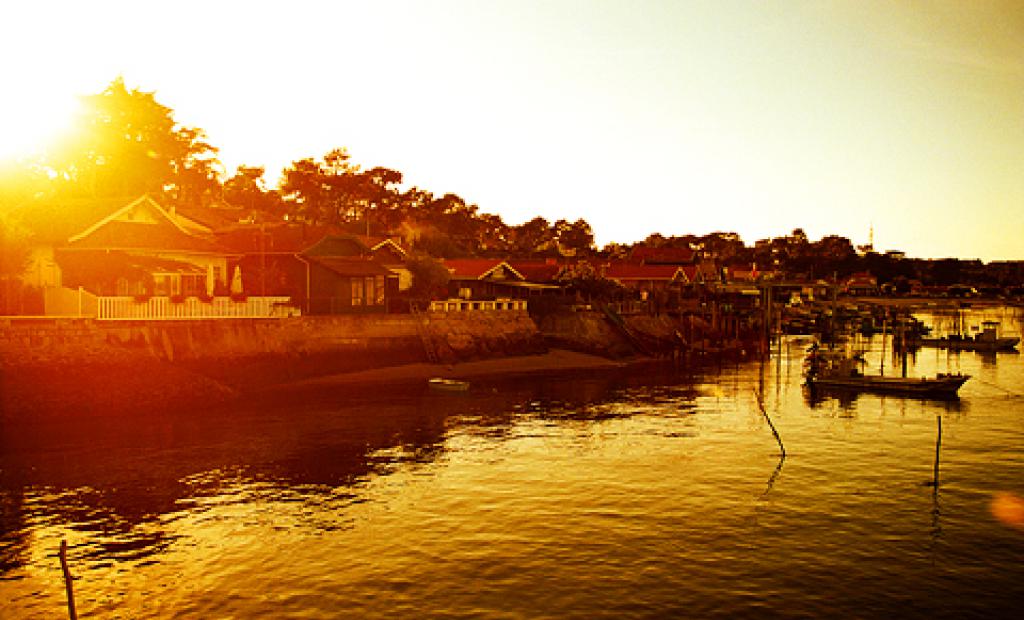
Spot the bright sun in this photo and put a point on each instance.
(28, 126)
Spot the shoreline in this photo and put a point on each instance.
(555, 360)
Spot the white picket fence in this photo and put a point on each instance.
(162, 308)
(464, 305)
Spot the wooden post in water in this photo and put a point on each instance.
(67, 579)
(938, 445)
(885, 330)
(760, 404)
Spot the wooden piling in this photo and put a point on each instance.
(67, 580)
(760, 405)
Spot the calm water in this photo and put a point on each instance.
(653, 493)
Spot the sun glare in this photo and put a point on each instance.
(27, 127)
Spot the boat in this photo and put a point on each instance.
(834, 371)
(988, 340)
(448, 385)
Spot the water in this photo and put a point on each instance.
(648, 493)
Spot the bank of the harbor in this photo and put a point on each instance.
(76, 366)
(55, 367)
(58, 366)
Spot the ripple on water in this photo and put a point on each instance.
(647, 495)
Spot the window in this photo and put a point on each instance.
(370, 293)
(166, 284)
(357, 291)
(193, 285)
(379, 298)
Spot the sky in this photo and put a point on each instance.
(904, 118)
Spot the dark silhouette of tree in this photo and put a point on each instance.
(429, 278)
(576, 239)
(304, 191)
(14, 247)
(248, 189)
(533, 237)
(14, 260)
(723, 246)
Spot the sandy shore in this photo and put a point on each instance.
(553, 360)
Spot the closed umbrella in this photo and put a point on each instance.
(236, 281)
(210, 284)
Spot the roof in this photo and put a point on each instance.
(351, 267)
(212, 218)
(478, 268)
(663, 256)
(375, 243)
(133, 236)
(639, 271)
(338, 245)
(55, 221)
(536, 270)
(164, 265)
(283, 238)
(103, 264)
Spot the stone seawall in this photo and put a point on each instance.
(82, 364)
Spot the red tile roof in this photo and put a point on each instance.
(639, 271)
(474, 268)
(542, 271)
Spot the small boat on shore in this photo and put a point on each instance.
(447, 385)
(831, 371)
(988, 340)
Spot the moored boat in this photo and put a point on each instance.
(988, 340)
(831, 371)
(942, 385)
(448, 385)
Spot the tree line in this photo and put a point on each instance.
(124, 143)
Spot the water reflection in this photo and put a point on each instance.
(559, 495)
(118, 482)
(846, 400)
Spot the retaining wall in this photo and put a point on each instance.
(48, 364)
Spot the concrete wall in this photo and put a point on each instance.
(56, 363)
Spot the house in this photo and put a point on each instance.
(646, 278)
(748, 272)
(121, 247)
(346, 285)
(483, 278)
(388, 252)
(322, 270)
(700, 274)
(861, 283)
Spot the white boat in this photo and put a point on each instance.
(448, 385)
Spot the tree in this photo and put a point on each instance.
(304, 191)
(576, 238)
(532, 237)
(383, 199)
(15, 253)
(247, 189)
(123, 142)
(14, 248)
(722, 245)
(429, 278)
